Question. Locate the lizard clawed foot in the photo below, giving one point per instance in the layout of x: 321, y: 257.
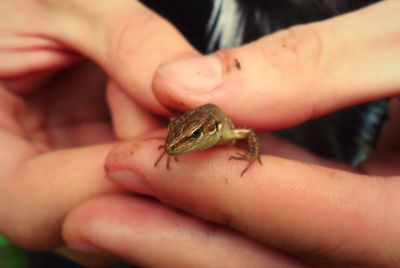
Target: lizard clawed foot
x: 162, y: 155
x: 240, y: 156
x: 247, y: 157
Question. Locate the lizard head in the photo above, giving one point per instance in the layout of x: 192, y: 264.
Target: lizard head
x: 194, y: 130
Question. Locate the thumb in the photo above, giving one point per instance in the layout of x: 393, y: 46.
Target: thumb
x: 295, y: 74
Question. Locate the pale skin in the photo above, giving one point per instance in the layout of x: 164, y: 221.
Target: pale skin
x: 204, y: 127
x: 299, y: 203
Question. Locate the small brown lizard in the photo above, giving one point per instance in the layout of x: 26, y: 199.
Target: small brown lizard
x: 202, y: 128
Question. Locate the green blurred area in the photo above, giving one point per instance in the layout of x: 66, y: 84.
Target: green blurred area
x: 10, y: 255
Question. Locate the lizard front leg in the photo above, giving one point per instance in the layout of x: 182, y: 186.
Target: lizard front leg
x: 254, y: 146
x: 164, y: 152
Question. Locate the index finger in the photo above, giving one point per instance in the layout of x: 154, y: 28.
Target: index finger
x: 299, y: 207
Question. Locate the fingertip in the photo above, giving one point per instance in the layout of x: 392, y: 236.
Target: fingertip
x: 129, y: 119
x: 89, y: 220
x: 129, y: 163
x: 189, y: 82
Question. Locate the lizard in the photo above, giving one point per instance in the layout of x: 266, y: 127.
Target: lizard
x: 204, y: 127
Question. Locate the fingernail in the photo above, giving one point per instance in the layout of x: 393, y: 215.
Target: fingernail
x: 196, y: 75
x: 129, y: 179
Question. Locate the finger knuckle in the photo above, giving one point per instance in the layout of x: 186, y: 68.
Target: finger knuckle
x: 131, y: 33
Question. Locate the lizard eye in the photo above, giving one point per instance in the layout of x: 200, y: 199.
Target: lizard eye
x: 196, y: 134
x: 217, y: 125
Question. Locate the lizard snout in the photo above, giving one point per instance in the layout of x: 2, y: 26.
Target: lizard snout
x: 170, y: 149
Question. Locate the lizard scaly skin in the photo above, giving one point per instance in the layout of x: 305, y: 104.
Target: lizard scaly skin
x: 204, y: 127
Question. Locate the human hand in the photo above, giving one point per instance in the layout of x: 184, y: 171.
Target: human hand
x: 54, y: 120
x: 319, y: 210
